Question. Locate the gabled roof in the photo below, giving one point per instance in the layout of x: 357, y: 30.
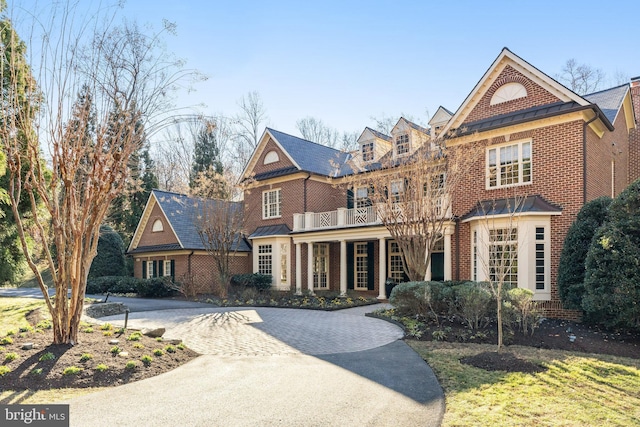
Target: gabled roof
x: 506, y: 57
x: 411, y: 125
x: 512, y: 206
x: 609, y: 100
x: 375, y: 133
x: 181, y: 211
x: 306, y: 156
x: 441, y: 115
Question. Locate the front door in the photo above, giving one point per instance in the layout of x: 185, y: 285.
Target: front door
x: 437, y: 266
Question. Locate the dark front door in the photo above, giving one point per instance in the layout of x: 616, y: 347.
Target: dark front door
x: 437, y: 266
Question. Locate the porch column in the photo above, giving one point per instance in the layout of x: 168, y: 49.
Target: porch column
x: 310, y: 267
x: 343, y: 268
x: 382, y: 268
x: 447, y: 255
x: 298, y: 269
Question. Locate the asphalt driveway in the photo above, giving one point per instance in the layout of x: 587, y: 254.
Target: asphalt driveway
x: 271, y: 367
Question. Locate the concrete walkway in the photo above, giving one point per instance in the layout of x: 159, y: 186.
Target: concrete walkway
x: 271, y: 367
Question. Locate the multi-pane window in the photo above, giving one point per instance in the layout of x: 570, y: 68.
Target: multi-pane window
x: 474, y: 255
x: 271, y: 204
x: 509, y: 165
x: 265, y: 265
x: 503, y: 255
x: 540, y: 258
x: 361, y: 271
x: 283, y: 262
x: 166, y: 271
x: 397, y: 188
x: 367, y: 152
x: 320, y: 265
x: 396, y: 263
x: 362, y: 197
x: 402, y: 144
x: 150, y: 269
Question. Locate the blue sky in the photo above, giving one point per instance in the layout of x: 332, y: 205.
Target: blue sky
x: 345, y: 61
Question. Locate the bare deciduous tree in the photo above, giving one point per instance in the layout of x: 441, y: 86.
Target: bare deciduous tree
x: 412, y: 197
x: 248, y: 128
x: 581, y: 78
x: 124, y: 81
x: 220, y: 225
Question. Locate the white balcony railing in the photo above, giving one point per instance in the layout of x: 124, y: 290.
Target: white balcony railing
x: 340, y: 218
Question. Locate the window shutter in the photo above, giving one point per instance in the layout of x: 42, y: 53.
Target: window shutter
x: 160, y: 268
x: 173, y: 270
x: 370, y: 267
x: 350, y: 262
x: 350, y: 199
x: 144, y: 269
x: 155, y: 268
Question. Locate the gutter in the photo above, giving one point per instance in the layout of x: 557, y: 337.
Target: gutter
x: 304, y: 192
x: 189, y: 264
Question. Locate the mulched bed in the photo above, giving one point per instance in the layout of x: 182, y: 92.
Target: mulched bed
x: 28, y: 372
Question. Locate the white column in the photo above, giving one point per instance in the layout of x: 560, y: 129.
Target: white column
x: 343, y: 268
x: 447, y: 255
x: 382, y: 268
x: 310, y: 267
x: 298, y: 269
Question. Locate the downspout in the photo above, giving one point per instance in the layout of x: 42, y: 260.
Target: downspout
x: 457, y: 219
x: 304, y: 192
x: 584, y: 156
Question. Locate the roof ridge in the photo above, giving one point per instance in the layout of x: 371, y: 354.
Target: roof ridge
x: 305, y: 140
x: 605, y: 90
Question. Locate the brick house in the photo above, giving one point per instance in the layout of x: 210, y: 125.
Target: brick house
x: 166, y: 243
x: 566, y: 149
x: 544, y: 142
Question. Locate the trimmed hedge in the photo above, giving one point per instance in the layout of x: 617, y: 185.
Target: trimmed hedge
x: 110, y: 260
x: 155, y: 287
x: 257, y: 281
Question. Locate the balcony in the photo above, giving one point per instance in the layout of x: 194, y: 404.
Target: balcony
x: 341, y: 218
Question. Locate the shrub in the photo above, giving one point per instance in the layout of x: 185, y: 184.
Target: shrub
x: 9, y: 357
x: 138, y: 345
x: 170, y: 349
x: 146, y: 360
x: 86, y: 357
x: 37, y: 371
x: 110, y: 260
x: 612, y: 280
x: 258, y: 281
x: 101, y: 367
x: 106, y: 327
x: 158, y: 352
x: 153, y: 287
x: 571, y: 269
x: 6, y: 341
x: 115, y: 350
x: 411, y: 298
x: 473, y: 303
x: 4, y: 370
x: 88, y: 330
x: 131, y: 364
x: 156, y: 287
x: 525, y: 312
x: 47, y: 356
x: 71, y: 370
x: 134, y: 336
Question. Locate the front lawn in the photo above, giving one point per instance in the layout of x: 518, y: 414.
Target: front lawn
x: 571, y: 389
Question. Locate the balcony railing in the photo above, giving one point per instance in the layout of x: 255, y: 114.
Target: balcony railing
x: 344, y: 218
x: 340, y: 218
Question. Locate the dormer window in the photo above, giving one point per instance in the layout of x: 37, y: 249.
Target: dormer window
x: 367, y: 151
x: 402, y: 144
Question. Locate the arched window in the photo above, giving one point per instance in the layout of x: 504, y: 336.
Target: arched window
x: 271, y: 157
x: 508, y: 92
x: 157, y: 226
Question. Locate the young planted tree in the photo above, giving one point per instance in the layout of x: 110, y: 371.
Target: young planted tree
x: 496, y: 249
x: 123, y: 81
x: 411, y: 196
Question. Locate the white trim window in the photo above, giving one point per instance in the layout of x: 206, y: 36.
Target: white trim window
x: 397, y: 190
x: 402, y: 144
x: 284, y: 263
x: 265, y: 264
x: 396, y: 262
x: 361, y: 272
x: 509, y: 165
x: 271, y: 204
x: 150, y: 269
x: 166, y: 271
x: 368, y: 154
x: 321, y: 266
x: 503, y: 255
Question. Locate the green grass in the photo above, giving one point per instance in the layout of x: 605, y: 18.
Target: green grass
x: 13, y: 311
x: 28, y: 279
x: 575, y: 389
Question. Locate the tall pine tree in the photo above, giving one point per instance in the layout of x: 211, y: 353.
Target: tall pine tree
x: 206, y: 178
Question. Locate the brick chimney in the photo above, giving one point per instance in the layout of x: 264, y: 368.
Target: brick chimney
x: 635, y: 97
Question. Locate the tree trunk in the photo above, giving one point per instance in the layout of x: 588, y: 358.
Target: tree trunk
x: 499, y: 315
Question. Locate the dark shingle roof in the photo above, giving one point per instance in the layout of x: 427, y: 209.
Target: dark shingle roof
x: 181, y: 212
x: 275, y: 173
x: 530, y: 204
x: 609, y: 100
x: 271, y: 230
x: 416, y: 126
x: 517, y: 117
x: 312, y: 157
